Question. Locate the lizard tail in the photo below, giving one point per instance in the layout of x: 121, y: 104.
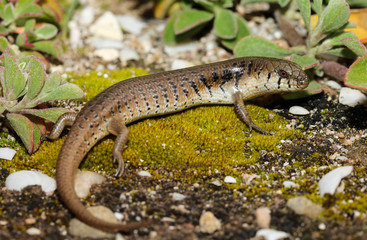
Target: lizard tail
x: 71, y: 154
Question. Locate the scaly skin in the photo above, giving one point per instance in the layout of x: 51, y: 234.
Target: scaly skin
x: 228, y: 82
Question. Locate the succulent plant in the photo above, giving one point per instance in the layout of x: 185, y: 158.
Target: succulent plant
x: 35, y: 24
x: 327, y: 40
x: 24, y: 90
x: 197, y: 14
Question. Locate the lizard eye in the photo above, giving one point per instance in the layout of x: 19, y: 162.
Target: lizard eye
x: 282, y: 74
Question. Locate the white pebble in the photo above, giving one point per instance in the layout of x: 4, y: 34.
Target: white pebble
x: 107, y: 54
x: 179, y: 63
x: 21, y: 179
x: 144, y: 174
x: 352, y: 97
x: 229, y: 179
x: 107, y: 26
x: 330, y: 181
x: 333, y: 85
x: 322, y: 226
x: 33, y: 231
x: 7, y: 153
x: 263, y: 217
x: 289, y: 184
x: 84, y: 181
x: 99, y: 42
x: 86, y: 16
x: 271, y: 234
x: 178, y: 196
x: 297, y: 110
x: 131, y: 24
x: 304, y: 206
x: 79, y: 229
x: 127, y: 54
x: 75, y: 35
x: 188, y: 47
x: 209, y: 223
x: 216, y: 183
x: 118, y: 216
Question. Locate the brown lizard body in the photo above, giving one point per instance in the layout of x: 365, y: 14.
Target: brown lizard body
x: 227, y: 82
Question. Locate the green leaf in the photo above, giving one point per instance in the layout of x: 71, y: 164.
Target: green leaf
x: 357, y: 3
x: 52, y: 82
x: 46, y: 32
x: 355, y: 45
x: 283, y: 3
x: 24, y: 129
x: 191, y: 19
x: 335, y: 15
x: 243, y: 30
x: 49, y: 47
x: 10, y: 71
x: 3, y: 44
x: 341, y: 52
x: 257, y: 46
x: 244, y: 2
x: 305, y: 62
x: 8, y: 16
x: 356, y: 75
x: 305, y: 9
x: 36, y: 79
x: 317, y: 7
x: 29, y: 25
x: 65, y: 91
x: 50, y: 114
x: 335, y: 39
x: 26, y: 8
x: 225, y: 24
x: 169, y: 36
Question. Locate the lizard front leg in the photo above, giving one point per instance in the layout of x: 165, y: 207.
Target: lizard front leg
x: 117, y: 128
x: 242, y: 113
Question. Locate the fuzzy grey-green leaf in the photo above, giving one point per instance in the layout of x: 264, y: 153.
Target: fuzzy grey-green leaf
x: 50, y: 114
x: 190, y: 19
x: 257, y: 46
x: 335, y: 15
x: 225, y: 24
x: 355, y: 45
x: 243, y: 30
x: 305, y: 9
x: 65, y: 91
x: 46, y: 32
x: 51, y: 83
x: 24, y: 129
x: 36, y: 78
x: 10, y: 70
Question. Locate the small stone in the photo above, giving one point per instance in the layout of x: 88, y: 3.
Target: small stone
x: 79, y: 229
x: 229, y: 179
x: 247, y: 178
x: 86, y: 16
x: 216, y: 183
x: 289, y: 184
x: 348, y: 142
x: 127, y: 54
x: 30, y: 221
x: 297, y: 110
x: 174, y: 50
x: 352, y: 97
x: 144, y: 174
x: 107, y: 26
x: 263, y: 217
x: 178, y: 196
x: 107, y: 54
x: 21, y: 179
x: 322, y: 226
x: 271, y: 234
x: 330, y: 181
x: 99, y: 42
x: 131, y: 24
x: 33, y: 231
x: 333, y: 85
x: 179, y: 63
x: 84, y: 181
x: 341, y: 135
x: 209, y: 223
x: 304, y: 206
x: 7, y: 153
